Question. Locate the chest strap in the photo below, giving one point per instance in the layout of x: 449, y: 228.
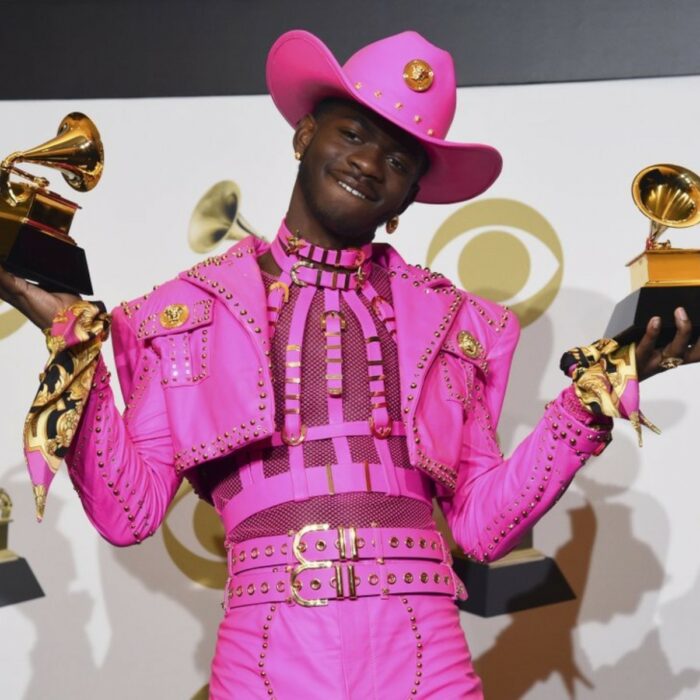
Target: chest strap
x: 356, y: 477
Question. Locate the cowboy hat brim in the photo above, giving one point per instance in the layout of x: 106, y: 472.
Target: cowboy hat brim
x: 301, y: 71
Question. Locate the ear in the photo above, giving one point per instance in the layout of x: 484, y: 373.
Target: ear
x: 304, y: 133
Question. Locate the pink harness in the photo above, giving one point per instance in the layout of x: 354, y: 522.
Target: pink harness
x: 343, y: 561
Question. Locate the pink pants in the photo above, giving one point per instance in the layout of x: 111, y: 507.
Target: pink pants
x: 365, y: 649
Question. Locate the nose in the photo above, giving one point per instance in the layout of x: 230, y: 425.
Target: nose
x: 368, y: 159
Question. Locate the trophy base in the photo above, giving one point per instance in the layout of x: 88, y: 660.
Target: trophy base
x: 17, y: 582
x: 55, y: 265
x: 631, y: 315
x: 524, y: 579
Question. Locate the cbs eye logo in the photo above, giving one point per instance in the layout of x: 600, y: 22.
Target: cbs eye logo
x: 10, y: 320
x: 503, y: 250
x: 194, y: 540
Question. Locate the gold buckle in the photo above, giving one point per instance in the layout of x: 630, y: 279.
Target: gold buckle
x: 305, y: 564
x: 360, y: 256
x: 294, y: 243
x: 283, y: 287
x: 381, y: 432
x: 293, y: 272
x: 334, y: 314
x: 293, y: 440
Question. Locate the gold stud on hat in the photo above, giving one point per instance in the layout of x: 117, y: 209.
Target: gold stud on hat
x: 418, y: 75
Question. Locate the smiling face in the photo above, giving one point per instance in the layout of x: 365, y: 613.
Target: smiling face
x: 357, y: 171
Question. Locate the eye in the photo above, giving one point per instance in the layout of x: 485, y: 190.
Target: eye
x: 193, y: 537
x: 503, y: 250
x: 350, y: 135
x: 397, y: 164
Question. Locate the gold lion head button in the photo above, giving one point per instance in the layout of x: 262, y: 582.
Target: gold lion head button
x: 418, y: 75
x: 174, y: 315
x: 469, y: 345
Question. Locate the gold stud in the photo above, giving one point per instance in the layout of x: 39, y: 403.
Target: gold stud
x: 431, y: 132
x: 418, y: 75
x: 174, y: 316
x: 399, y: 105
x: 358, y: 86
x: 377, y: 93
x: 417, y: 119
x: 469, y: 345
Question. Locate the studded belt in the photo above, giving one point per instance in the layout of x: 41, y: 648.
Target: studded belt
x: 317, y: 564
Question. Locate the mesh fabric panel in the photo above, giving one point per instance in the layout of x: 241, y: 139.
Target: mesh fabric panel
x: 347, y: 509
x: 314, y: 400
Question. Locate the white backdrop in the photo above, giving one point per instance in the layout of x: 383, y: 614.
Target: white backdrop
x: 118, y: 623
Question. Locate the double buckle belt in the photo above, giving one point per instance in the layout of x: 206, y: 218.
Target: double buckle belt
x: 369, y: 562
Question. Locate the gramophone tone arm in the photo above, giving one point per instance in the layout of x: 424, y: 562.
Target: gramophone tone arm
x: 6, y: 168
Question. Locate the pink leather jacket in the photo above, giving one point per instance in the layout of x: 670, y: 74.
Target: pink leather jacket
x: 200, y: 389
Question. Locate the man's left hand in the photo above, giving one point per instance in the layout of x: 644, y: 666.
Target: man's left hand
x: 652, y: 360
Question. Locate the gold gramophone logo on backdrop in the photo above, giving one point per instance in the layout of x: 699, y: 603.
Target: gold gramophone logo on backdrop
x: 511, y: 254
x: 217, y: 217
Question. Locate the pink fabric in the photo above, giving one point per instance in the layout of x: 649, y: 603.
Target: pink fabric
x: 169, y: 430
x: 368, y: 648
x: 127, y: 469
x: 393, y: 577
x: 321, y: 544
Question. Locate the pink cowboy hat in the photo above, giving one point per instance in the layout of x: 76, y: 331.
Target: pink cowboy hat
x: 405, y: 79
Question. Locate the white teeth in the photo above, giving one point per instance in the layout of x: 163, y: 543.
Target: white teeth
x: 351, y: 190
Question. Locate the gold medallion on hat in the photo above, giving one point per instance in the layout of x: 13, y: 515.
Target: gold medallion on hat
x: 174, y: 315
x: 469, y: 345
x: 418, y: 75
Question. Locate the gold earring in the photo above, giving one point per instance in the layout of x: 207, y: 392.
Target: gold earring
x: 297, y: 155
x: 392, y: 224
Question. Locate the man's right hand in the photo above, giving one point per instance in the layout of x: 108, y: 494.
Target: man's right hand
x: 38, y: 305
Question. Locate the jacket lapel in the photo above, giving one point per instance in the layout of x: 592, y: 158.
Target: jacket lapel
x: 234, y: 279
x: 425, y: 305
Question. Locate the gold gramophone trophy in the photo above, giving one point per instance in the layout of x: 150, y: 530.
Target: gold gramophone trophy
x: 17, y: 582
x: 663, y: 277
x: 34, y: 222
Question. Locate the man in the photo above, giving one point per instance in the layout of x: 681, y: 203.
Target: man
x: 320, y: 392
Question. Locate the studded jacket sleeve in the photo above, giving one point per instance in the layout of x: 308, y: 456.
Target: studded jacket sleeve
x: 496, y: 498
x: 122, y: 465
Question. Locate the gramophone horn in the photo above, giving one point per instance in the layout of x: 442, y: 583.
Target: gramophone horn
x: 76, y: 151
x: 669, y: 195
x: 216, y: 216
